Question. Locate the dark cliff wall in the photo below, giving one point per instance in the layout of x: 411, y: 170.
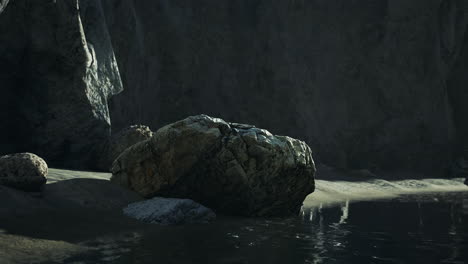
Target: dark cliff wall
x: 366, y: 83
x: 57, y: 70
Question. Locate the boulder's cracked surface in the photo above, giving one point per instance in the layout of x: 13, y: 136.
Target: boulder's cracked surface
x: 23, y: 171
x: 232, y: 168
x: 57, y: 71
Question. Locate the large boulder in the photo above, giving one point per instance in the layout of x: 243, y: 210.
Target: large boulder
x: 24, y: 171
x: 233, y: 168
x: 169, y: 211
x: 120, y: 142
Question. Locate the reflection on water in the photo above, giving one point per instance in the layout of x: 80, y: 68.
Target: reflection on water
x: 430, y: 228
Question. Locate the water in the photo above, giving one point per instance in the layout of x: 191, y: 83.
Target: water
x: 416, y: 228
x: 376, y: 221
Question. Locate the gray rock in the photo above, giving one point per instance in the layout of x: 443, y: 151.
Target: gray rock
x: 57, y: 71
x: 24, y: 171
x: 169, y: 211
x: 234, y: 169
x: 367, y: 84
x: 120, y: 142
x: 3, y: 4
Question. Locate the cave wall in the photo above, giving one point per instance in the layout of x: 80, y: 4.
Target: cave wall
x: 366, y: 83
x: 374, y: 84
x: 57, y: 71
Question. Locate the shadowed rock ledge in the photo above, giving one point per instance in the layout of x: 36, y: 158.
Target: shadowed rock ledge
x: 57, y: 71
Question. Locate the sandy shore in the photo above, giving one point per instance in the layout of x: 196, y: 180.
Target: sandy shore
x: 78, y: 212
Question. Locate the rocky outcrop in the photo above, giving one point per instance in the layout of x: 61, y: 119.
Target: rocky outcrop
x: 3, y: 4
x: 167, y: 211
x: 384, y: 79
x: 57, y: 71
x: 23, y: 171
x: 367, y: 84
x: 233, y: 168
x: 120, y: 142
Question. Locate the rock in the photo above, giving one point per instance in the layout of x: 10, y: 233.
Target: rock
x: 57, y: 71
x: 233, y: 168
x: 3, y: 4
x: 120, y: 142
x: 169, y: 211
x: 24, y: 171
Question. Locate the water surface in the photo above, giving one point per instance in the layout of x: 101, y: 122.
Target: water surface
x: 416, y: 228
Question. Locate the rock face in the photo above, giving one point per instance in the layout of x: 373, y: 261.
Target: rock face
x: 120, y: 142
x: 169, y: 211
x: 24, y: 171
x: 233, y: 168
x: 57, y: 71
x: 367, y: 84
x: 3, y: 4
x: 385, y: 80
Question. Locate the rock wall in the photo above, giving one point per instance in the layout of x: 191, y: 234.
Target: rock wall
x: 368, y: 84
x: 373, y: 84
x: 57, y: 71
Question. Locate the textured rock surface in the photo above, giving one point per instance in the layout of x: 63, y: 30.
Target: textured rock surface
x: 120, y: 142
x: 3, y: 4
x: 24, y: 171
x: 232, y: 168
x: 57, y: 70
x: 169, y: 211
x: 364, y: 83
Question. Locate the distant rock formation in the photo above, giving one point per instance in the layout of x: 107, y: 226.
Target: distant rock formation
x: 232, y: 168
x: 119, y: 142
x: 23, y: 171
x: 57, y: 71
x: 169, y: 211
x: 367, y: 84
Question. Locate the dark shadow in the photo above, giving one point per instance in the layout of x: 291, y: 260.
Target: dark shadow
x: 70, y: 210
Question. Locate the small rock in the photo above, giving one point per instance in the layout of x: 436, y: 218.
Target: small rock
x: 119, y: 142
x: 23, y: 171
x: 169, y: 211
